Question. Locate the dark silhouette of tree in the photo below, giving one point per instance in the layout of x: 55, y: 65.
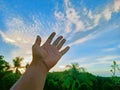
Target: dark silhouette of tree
x: 115, y: 67
x: 17, y: 64
x: 8, y: 80
x: 4, y: 66
x: 108, y: 86
x: 74, y: 78
x: 75, y: 66
x: 4, y: 70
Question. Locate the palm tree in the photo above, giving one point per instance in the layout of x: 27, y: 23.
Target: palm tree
x: 17, y: 64
x: 76, y: 66
x: 115, y: 67
x: 4, y: 66
x: 72, y: 77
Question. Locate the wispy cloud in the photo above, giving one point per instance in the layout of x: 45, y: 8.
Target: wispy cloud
x: 71, y: 18
x: 84, y: 39
x: 20, y: 34
x: 117, y: 5
x: 69, y: 22
x: 93, y: 61
x: 108, y: 49
x: 111, y: 49
x: 72, y: 21
x: 109, y: 58
x: 6, y: 39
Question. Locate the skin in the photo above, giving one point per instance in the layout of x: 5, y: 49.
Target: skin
x: 44, y: 58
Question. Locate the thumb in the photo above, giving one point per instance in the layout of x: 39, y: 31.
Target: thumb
x: 38, y: 40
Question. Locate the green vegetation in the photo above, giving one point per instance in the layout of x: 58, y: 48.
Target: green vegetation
x: 75, y: 78
x: 114, y: 67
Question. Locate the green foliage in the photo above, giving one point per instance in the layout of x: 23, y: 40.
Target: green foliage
x: 4, y: 66
x: 83, y: 81
x: 8, y: 80
x: 53, y: 81
x: 75, y: 78
x: 72, y: 78
x: 17, y: 64
x: 114, y: 67
x: 107, y: 86
x: 7, y: 77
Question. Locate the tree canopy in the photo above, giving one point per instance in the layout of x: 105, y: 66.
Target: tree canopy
x: 74, y: 78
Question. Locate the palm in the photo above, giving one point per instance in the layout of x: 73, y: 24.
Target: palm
x: 17, y: 64
x: 49, y: 53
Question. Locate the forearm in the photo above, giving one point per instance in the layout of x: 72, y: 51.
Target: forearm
x: 33, y: 78
x: 44, y: 58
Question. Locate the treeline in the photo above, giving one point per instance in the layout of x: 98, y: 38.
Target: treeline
x: 10, y: 74
x: 75, y: 78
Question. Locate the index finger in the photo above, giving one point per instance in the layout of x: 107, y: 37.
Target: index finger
x: 50, y: 38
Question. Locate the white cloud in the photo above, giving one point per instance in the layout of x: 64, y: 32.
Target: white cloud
x: 59, y: 15
x: 111, y: 49
x: 84, y: 39
x: 109, y: 10
x: 108, y: 49
x: 22, y: 34
x: 116, y: 5
x: 61, y: 66
x: 8, y: 40
x: 90, y: 14
x: 71, y: 18
x: 72, y: 21
x: 99, y: 60
x: 105, y: 14
x: 92, y: 63
x: 108, y: 58
x: 22, y: 41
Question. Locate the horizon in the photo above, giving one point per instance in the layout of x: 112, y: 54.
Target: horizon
x: 91, y: 28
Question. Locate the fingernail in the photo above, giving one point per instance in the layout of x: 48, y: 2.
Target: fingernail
x: 54, y: 33
x: 61, y: 36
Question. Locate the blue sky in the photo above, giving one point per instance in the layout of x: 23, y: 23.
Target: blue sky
x: 91, y: 27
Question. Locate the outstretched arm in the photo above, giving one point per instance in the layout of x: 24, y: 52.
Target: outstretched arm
x: 44, y: 58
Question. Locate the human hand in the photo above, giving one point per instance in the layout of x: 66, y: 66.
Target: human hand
x: 49, y: 54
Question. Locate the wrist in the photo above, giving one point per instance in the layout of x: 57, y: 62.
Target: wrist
x: 40, y: 64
